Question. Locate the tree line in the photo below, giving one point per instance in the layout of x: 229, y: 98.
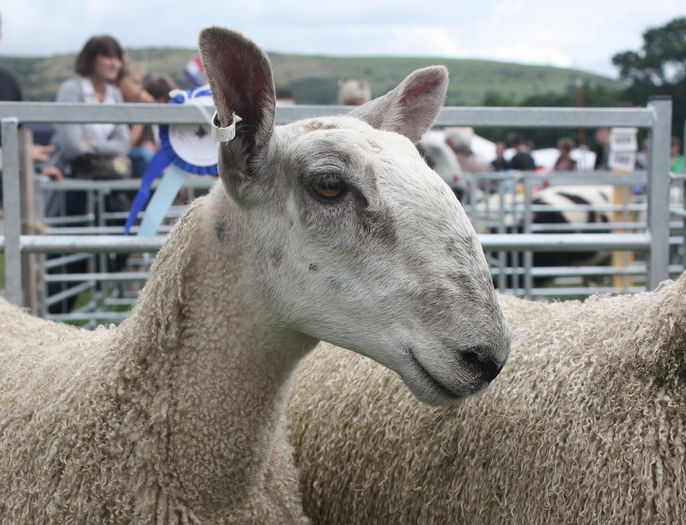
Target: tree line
x: 657, y: 68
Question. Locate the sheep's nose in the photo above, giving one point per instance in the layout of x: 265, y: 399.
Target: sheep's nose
x: 482, y: 366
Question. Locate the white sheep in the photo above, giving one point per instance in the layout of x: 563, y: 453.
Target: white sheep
x: 585, y: 424
x: 323, y: 229
x: 442, y: 159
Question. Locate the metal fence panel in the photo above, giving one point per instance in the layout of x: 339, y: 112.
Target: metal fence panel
x: 12, y: 211
x: 654, y: 240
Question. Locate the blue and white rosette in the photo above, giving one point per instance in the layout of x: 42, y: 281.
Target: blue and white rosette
x: 184, y: 149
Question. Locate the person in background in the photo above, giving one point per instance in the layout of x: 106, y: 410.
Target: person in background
x: 92, y: 151
x: 155, y: 89
x: 522, y: 159
x: 602, y: 148
x: 675, y: 157
x: 130, y: 82
x: 141, y: 137
x: 354, y: 92
x: 642, y: 155
x: 97, y: 68
x: 499, y: 163
x: 564, y: 161
x: 10, y: 91
x: 159, y: 87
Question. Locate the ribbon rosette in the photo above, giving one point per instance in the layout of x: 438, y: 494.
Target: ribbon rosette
x: 184, y: 149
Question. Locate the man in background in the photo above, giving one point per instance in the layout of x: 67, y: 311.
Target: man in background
x: 522, y: 159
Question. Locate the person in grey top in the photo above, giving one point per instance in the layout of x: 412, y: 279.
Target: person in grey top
x: 97, y: 67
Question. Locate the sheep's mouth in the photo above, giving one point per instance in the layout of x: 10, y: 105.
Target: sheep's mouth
x: 436, y: 386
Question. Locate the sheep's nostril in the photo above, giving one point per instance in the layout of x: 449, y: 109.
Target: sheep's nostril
x: 484, y: 367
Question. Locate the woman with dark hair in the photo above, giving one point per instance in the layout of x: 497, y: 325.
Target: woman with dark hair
x: 97, y: 67
x: 91, y: 151
x: 564, y: 161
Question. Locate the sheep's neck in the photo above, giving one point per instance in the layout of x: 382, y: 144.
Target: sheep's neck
x: 229, y: 380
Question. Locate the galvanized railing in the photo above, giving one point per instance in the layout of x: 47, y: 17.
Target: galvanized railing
x: 507, y: 205
x: 656, y: 117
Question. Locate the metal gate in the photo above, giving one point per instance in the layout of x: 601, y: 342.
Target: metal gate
x: 95, y: 237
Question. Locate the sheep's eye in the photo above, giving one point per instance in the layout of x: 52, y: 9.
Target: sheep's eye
x: 330, y: 188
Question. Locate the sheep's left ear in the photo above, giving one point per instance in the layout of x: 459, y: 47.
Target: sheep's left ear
x: 240, y: 77
x: 412, y: 107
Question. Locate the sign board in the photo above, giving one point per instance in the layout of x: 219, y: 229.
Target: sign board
x: 623, y: 147
x: 622, y: 161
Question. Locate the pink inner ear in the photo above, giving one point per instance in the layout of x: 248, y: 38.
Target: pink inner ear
x: 247, y: 86
x: 423, y: 88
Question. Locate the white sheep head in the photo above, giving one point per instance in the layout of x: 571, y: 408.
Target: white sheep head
x: 355, y: 240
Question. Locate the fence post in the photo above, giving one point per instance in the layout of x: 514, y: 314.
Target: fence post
x: 658, y: 191
x: 12, y: 210
x: 527, y: 257
x: 28, y: 219
x: 622, y: 161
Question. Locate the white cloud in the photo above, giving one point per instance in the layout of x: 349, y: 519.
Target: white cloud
x: 569, y: 33
x: 528, y: 54
x: 508, y: 7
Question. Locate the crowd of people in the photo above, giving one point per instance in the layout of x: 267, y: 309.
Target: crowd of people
x: 103, y: 75
x: 521, y: 156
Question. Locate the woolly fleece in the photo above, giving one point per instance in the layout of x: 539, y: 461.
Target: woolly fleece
x: 586, y: 424
x: 111, y: 426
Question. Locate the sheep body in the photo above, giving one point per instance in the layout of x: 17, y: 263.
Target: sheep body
x: 584, y: 425
x: 325, y: 228
x: 442, y: 159
x: 88, y: 433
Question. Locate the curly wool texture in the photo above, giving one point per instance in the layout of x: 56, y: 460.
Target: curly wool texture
x: 585, y: 424
x: 112, y: 426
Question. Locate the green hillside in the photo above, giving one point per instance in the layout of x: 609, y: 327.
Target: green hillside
x: 314, y: 79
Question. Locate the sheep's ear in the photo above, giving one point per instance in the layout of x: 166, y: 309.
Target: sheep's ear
x: 412, y: 107
x: 240, y: 77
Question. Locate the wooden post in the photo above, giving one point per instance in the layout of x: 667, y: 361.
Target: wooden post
x: 26, y: 175
x: 622, y: 197
x: 622, y: 160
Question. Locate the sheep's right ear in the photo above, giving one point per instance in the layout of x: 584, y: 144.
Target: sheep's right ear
x: 240, y: 77
x: 412, y: 107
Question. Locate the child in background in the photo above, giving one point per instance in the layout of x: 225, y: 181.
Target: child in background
x: 159, y: 87
x: 142, y: 138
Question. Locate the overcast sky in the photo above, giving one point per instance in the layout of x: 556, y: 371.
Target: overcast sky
x: 582, y: 34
